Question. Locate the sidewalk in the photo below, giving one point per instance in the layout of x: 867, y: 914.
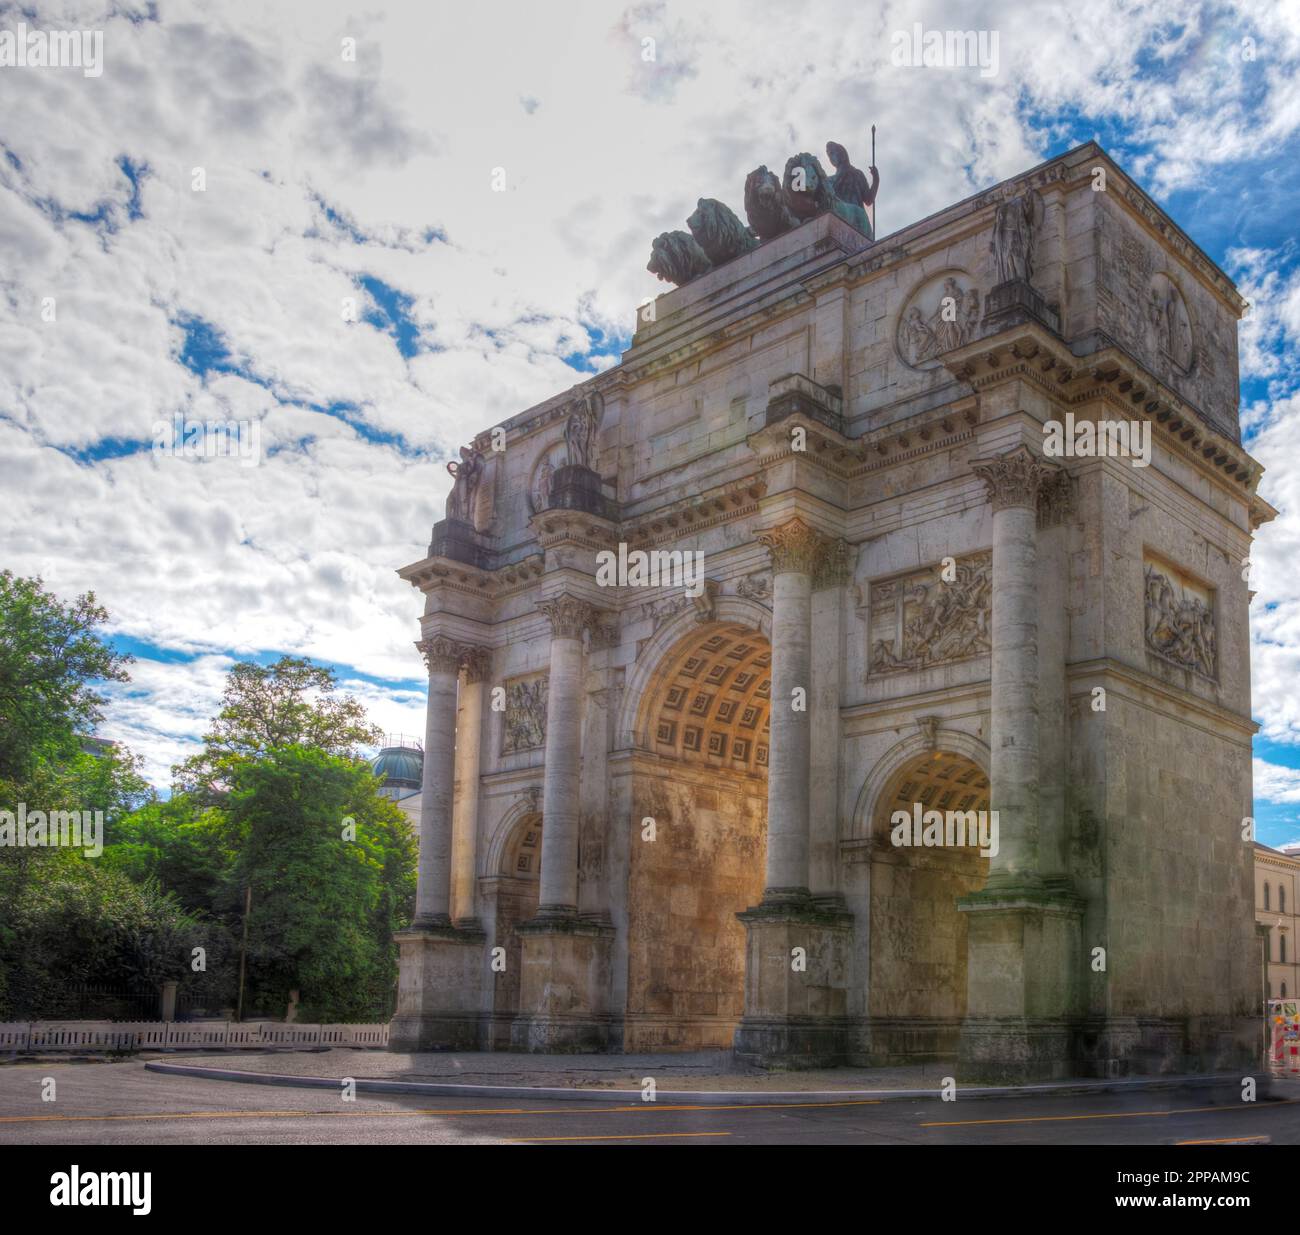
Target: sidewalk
x: 704, y: 1077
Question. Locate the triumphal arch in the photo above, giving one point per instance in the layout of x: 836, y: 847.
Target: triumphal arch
x: 952, y: 523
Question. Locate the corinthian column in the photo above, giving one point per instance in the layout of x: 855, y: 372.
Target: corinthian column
x: 478, y: 665
x: 559, y: 883
x: 433, y: 877
x: 794, y: 547
x: 1013, y: 482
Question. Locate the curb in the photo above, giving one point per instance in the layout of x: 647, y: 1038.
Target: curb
x: 715, y: 1097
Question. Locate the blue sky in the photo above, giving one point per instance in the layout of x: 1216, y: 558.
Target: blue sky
x: 329, y: 181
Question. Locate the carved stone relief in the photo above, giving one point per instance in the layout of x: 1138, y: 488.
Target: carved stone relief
x: 1169, y: 328
x: 756, y: 587
x: 525, y: 714
x: 1180, y: 624
x: 553, y: 457
x: 941, y: 314
x: 919, y: 620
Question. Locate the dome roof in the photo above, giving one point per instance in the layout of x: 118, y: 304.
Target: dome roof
x: 399, y: 766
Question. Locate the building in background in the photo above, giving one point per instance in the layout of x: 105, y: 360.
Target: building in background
x: 1277, y: 874
x: 400, y: 765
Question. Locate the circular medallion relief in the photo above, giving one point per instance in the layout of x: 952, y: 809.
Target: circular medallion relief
x: 1169, y: 325
x: 942, y: 313
x: 539, y: 488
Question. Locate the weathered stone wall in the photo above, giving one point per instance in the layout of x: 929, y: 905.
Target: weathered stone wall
x: 918, y: 939
x: 686, y: 966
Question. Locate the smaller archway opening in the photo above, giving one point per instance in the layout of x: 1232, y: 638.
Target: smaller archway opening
x: 517, y: 887
x: 918, y: 936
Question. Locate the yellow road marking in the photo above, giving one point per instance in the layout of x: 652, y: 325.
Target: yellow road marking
x: 576, y: 1109
x: 1036, y: 1119
x: 631, y: 1136
x: 1226, y: 1140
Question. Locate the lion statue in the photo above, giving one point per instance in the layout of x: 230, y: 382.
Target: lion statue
x: 804, y: 187
x: 721, y: 235
x: 676, y: 257
x: 765, y: 207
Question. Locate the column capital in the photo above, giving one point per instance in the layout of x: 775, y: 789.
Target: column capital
x: 1013, y: 479
x: 794, y: 545
x: 833, y: 567
x: 441, y: 655
x: 477, y: 662
x: 569, y: 614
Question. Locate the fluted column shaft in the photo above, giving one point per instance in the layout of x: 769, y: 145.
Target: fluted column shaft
x: 478, y: 663
x: 433, y: 876
x: 794, y: 547
x: 569, y: 617
x: 1013, y: 482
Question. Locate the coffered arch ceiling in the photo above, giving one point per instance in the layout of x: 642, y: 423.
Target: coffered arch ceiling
x: 710, y: 702
x: 939, y: 780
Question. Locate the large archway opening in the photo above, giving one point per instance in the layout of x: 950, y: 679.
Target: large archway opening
x: 699, y: 844
x: 918, y: 937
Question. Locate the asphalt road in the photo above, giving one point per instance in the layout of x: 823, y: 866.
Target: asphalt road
x: 122, y: 1104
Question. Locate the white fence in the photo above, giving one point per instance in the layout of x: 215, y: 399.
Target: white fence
x: 181, y: 1035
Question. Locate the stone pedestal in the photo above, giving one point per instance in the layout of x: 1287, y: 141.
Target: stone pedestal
x: 796, y: 1002
x: 456, y: 539
x: 574, y: 487
x: 439, y: 990
x: 1022, y: 986
x: 564, y: 988
x: 1015, y: 301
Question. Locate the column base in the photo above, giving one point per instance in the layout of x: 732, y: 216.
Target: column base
x: 564, y: 987
x: 1012, y: 1050
x: 439, y: 989
x: 1118, y: 1046
x: 1022, y: 983
x: 797, y: 976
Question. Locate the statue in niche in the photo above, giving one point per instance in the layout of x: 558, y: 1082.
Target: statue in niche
x: 947, y: 322
x: 719, y: 232
x: 765, y: 206
x: 849, y: 185
x: 1013, y: 236
x: 544, y: 478
x: 465, y: 476
x: 580, y: 429
x: 676, y: 257
x: 918, y: 342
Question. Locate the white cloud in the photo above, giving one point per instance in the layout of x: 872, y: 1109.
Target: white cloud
x: 319, y: 171
x: 1276, y: 783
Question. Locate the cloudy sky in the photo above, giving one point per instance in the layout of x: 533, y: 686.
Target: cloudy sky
x: 327, y: 176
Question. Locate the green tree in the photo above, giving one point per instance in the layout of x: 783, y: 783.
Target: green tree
x: 50, y: 657
x: 331, y: 866
x: 77, y: 921
x: 267, y: 707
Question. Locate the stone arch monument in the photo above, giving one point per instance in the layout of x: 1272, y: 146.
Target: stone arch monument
x: 792, y: 690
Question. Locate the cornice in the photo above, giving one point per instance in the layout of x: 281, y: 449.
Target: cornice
x: 1031, y: 353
